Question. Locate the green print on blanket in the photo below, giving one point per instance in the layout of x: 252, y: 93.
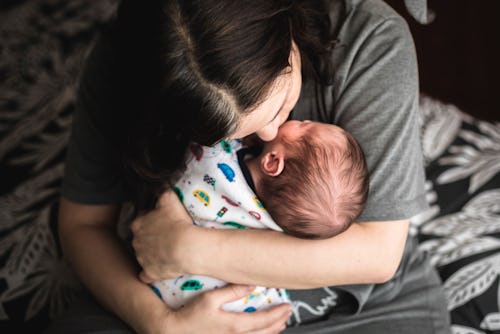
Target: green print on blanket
x: 192, y: 284
x: 227, y: 146
x: 235, y: 225
x: 179, y: 193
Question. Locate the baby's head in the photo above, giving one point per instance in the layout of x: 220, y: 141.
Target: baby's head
x: 312, y: 179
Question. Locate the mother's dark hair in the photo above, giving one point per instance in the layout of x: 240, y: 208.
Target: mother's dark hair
x: 191, y: 68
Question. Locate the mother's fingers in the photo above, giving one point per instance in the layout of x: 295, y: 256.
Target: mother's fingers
x: 170, y: 203
x: 268, y: 321
x: 152, y: 233
x: 229, y: 293
x: 274, y: 329
x: 204, y: 314
x: 136, y: 224
x: 145, y: 278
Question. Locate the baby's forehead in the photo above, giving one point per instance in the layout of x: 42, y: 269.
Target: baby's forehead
x: 329, y: 138
x: 327, y: 131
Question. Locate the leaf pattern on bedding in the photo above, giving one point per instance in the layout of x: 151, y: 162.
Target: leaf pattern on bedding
x: 459, y: 329
x: 447, y: 250
x: 479, y: 159
x: 471, y: 281
x: 491, y: 322
x: 480, y: 216
x: 440, y: 125
x: 44, y: 45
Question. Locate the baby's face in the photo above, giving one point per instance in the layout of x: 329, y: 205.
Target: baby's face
x: 294, y: 130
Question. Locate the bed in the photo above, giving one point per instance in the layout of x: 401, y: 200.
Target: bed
x: 43, y: 46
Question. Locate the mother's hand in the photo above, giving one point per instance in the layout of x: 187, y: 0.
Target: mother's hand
x: 158, y: 239
x: 205, y: 314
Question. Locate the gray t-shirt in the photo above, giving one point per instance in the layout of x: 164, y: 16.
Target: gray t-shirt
x: 373, y: 96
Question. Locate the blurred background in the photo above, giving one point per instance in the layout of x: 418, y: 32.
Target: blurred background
x: 459, y: 54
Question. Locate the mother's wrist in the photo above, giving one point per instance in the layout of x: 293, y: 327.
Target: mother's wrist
x: 161, y: 322
x: 204, y: 245
x: 193, y: 250
x: 147, y: 313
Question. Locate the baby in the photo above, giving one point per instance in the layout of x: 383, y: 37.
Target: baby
x: 311, y: 179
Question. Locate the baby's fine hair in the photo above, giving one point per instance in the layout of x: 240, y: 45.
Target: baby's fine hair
x: 322, y: 189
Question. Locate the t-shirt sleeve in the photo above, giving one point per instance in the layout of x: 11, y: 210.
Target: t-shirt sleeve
x: 376, y: 100
x: 93, y: 169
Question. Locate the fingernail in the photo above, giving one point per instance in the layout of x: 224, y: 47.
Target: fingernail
x: 250, y: 288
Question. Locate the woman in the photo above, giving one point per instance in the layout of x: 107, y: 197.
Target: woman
x: 171, y: 72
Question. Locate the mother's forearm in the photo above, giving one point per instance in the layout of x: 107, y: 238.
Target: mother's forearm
x: 365, y: 253
x: 94, y: 251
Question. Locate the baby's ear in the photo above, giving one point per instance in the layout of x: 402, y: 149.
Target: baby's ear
x: 272, y: 163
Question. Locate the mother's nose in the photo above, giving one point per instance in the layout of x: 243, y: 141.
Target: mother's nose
x: 269, y: 132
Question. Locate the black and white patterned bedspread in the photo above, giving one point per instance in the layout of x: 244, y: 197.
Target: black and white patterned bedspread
x: 43, y: 46
x: 461, y: 231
